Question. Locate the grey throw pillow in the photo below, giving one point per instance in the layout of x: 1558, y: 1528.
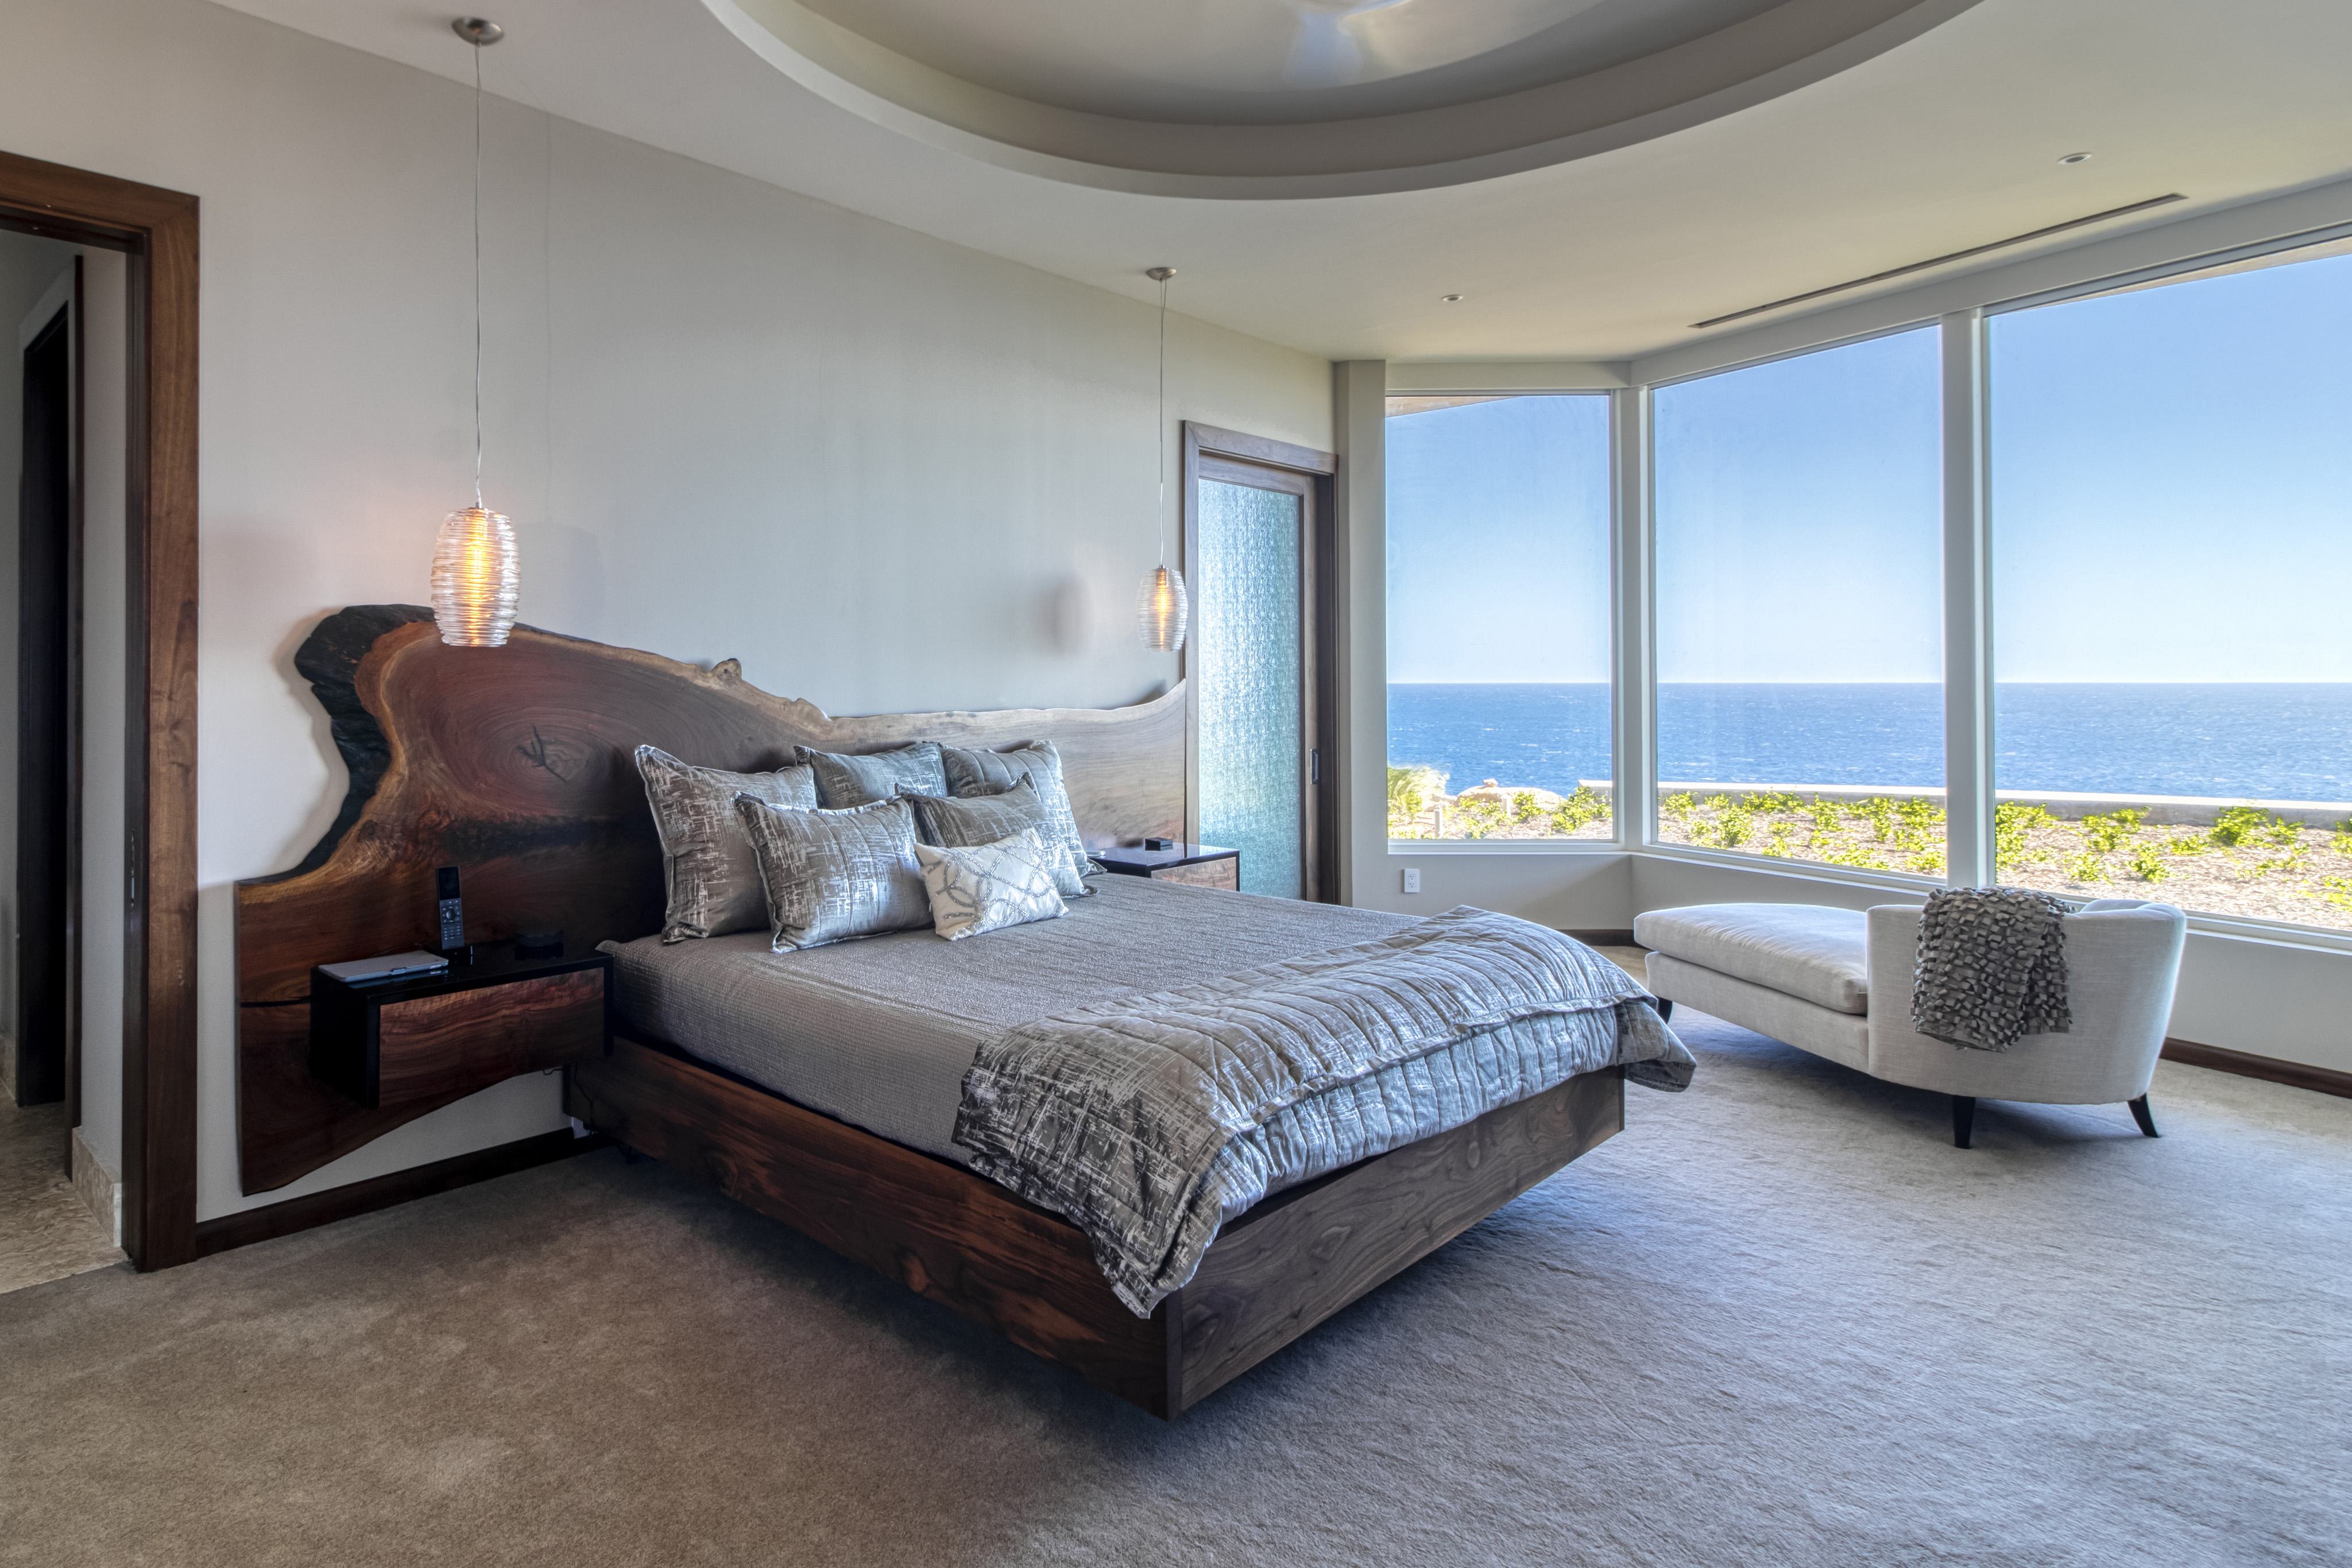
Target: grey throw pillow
x: 989, y: 819
x: 988, y: 772
x: 836, y: 875
x: 845, y: 779
x: 707, y: 866
x: 988, y: 887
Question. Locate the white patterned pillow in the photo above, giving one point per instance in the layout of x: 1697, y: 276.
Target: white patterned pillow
x: 990, y: 886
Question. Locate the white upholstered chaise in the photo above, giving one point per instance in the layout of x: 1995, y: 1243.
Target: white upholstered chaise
x: 1808, y: 975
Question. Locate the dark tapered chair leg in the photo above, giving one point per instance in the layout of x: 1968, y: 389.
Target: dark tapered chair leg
x: 1964, y: 1119
x: 2141, y: 1114
x: 1665, y: 1011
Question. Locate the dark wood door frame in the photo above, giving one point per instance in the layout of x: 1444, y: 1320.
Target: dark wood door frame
x: 1309, y: 475
x: 156, y: 230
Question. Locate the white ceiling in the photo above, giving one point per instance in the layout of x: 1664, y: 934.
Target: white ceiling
x: 1943, y: 141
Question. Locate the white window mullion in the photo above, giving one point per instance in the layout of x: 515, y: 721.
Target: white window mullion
x: 1634, y: 648
x: 1968, y: 606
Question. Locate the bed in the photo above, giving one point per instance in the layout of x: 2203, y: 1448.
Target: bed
x: 821, y: 1087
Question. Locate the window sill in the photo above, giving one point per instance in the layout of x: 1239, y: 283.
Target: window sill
x: 1509, y: 847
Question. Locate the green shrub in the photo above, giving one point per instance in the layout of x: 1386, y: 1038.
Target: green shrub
x: 1476, y: 819
x: 1584, y: 806
x: 1674, y: 808
x: 1773, y: 801
x: 2084, y: 867
x: 2235, y: 824
x: 1775, y: 841
x: 2107, y: 833
x: 1411, y: 790
x: 1523, y: 805
x: 2011, y: 822
x: 2148, y: 863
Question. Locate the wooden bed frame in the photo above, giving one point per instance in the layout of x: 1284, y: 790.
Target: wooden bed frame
x: 515, y: 764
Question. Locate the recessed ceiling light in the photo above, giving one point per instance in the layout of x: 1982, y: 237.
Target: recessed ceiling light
x: 1450, y: 299
x: 2075, y: 158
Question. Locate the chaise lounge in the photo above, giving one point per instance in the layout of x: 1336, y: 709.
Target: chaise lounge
x: 1837, y: 982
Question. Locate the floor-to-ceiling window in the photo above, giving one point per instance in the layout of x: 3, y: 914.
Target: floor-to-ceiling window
x: 2172, y: 566
x: 1798, y: 529
x: 1498, y: 625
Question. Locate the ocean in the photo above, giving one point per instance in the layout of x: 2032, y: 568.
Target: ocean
x: 2282, y: 742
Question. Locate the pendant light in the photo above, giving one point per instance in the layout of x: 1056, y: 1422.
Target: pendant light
x: 475, y: 568
x: 1161, y: 612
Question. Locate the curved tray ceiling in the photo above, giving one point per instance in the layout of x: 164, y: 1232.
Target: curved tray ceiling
x: 1286, y: 99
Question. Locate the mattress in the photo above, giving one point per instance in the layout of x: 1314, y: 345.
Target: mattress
x: 880, y: 1032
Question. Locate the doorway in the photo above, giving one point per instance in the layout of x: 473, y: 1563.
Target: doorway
x: 1260, y: 558
x: 48, y: 738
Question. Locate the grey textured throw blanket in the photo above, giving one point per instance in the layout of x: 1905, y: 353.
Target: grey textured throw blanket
x: 1993, y: 967
x: 1151, y: 1120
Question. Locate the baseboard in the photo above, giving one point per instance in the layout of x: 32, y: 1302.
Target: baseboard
x: 1605, y: 938
x: 2321, y: 1080
x: 277, y: 1220
x: 7, y: 1070
x: 99, y: 1187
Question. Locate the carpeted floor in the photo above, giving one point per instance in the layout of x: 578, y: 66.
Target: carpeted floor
x: 1778, y: 1321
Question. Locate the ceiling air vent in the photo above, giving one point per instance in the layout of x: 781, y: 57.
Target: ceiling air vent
x: 1940, y: 260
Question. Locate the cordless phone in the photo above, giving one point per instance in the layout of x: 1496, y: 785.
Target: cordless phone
x: 453, y: 910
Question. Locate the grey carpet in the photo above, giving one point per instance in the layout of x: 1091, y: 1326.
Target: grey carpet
x: 1778, y: 1321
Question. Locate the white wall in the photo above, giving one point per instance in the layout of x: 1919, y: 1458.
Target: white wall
x: 727, y: 421
x: 105, y: 696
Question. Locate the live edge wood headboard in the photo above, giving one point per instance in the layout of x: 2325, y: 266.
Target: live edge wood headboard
x: 514, y: 764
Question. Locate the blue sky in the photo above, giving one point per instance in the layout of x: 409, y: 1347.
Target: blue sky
x: 2172, y: 498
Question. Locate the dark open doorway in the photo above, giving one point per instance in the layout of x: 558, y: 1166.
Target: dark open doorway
x: 48, y: 740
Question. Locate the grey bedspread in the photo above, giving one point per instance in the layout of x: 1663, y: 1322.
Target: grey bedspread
x: 1150, y: 1119
x: 880, y: 1032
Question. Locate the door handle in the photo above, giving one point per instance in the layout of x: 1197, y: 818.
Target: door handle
x: 1314, y: 765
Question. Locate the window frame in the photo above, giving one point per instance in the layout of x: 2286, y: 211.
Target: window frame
x: 1968, y: 629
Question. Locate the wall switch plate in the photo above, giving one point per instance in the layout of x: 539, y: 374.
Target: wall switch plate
x: 1413, y: 879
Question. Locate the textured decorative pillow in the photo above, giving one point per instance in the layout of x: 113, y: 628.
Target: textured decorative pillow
x: 843, y: 781
x: 713, y: 876
x: 836, y: 874
x: 993, y: 817
x: 986, y: 772
x: 986, y: 887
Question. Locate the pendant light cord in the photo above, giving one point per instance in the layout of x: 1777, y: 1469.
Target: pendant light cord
x: 1163, y: 422
x: 478, y: 277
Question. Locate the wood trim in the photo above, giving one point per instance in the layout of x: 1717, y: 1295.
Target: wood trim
x: 1258, y: 449
x: 159, y: 231
x: 264, y: 1224
x: 1029, y: 1275
x: 2245, y: 1064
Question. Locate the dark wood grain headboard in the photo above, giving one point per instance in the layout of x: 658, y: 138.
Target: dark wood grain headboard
x: 514, y: 764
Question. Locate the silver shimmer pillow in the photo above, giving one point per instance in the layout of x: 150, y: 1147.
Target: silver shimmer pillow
x: 845, y: 779
x: 836, y: 875
x: 987, y: 772
x: 987, y: 887
x: 707, y: 866
x: 992, y: 818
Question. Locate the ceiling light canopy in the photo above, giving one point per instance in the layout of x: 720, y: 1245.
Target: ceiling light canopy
x: 1275, y: 98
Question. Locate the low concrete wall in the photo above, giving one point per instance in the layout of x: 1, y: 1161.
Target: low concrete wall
x: 2184, y: 810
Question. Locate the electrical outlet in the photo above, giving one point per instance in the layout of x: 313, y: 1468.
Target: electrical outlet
x: 1413, y: 879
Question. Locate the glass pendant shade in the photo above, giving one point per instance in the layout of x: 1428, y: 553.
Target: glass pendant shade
x: 475, y: 573
x: 1163, y: 610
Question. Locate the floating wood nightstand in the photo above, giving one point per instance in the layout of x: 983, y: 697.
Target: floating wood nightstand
x: 1202, y: 865
x: 463, y: 1029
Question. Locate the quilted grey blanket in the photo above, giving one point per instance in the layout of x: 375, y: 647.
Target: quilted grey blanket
x: 1151, y: 1120
x: 1993, y: 967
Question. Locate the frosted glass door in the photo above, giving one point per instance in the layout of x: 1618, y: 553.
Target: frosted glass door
x: 1248, y: 659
